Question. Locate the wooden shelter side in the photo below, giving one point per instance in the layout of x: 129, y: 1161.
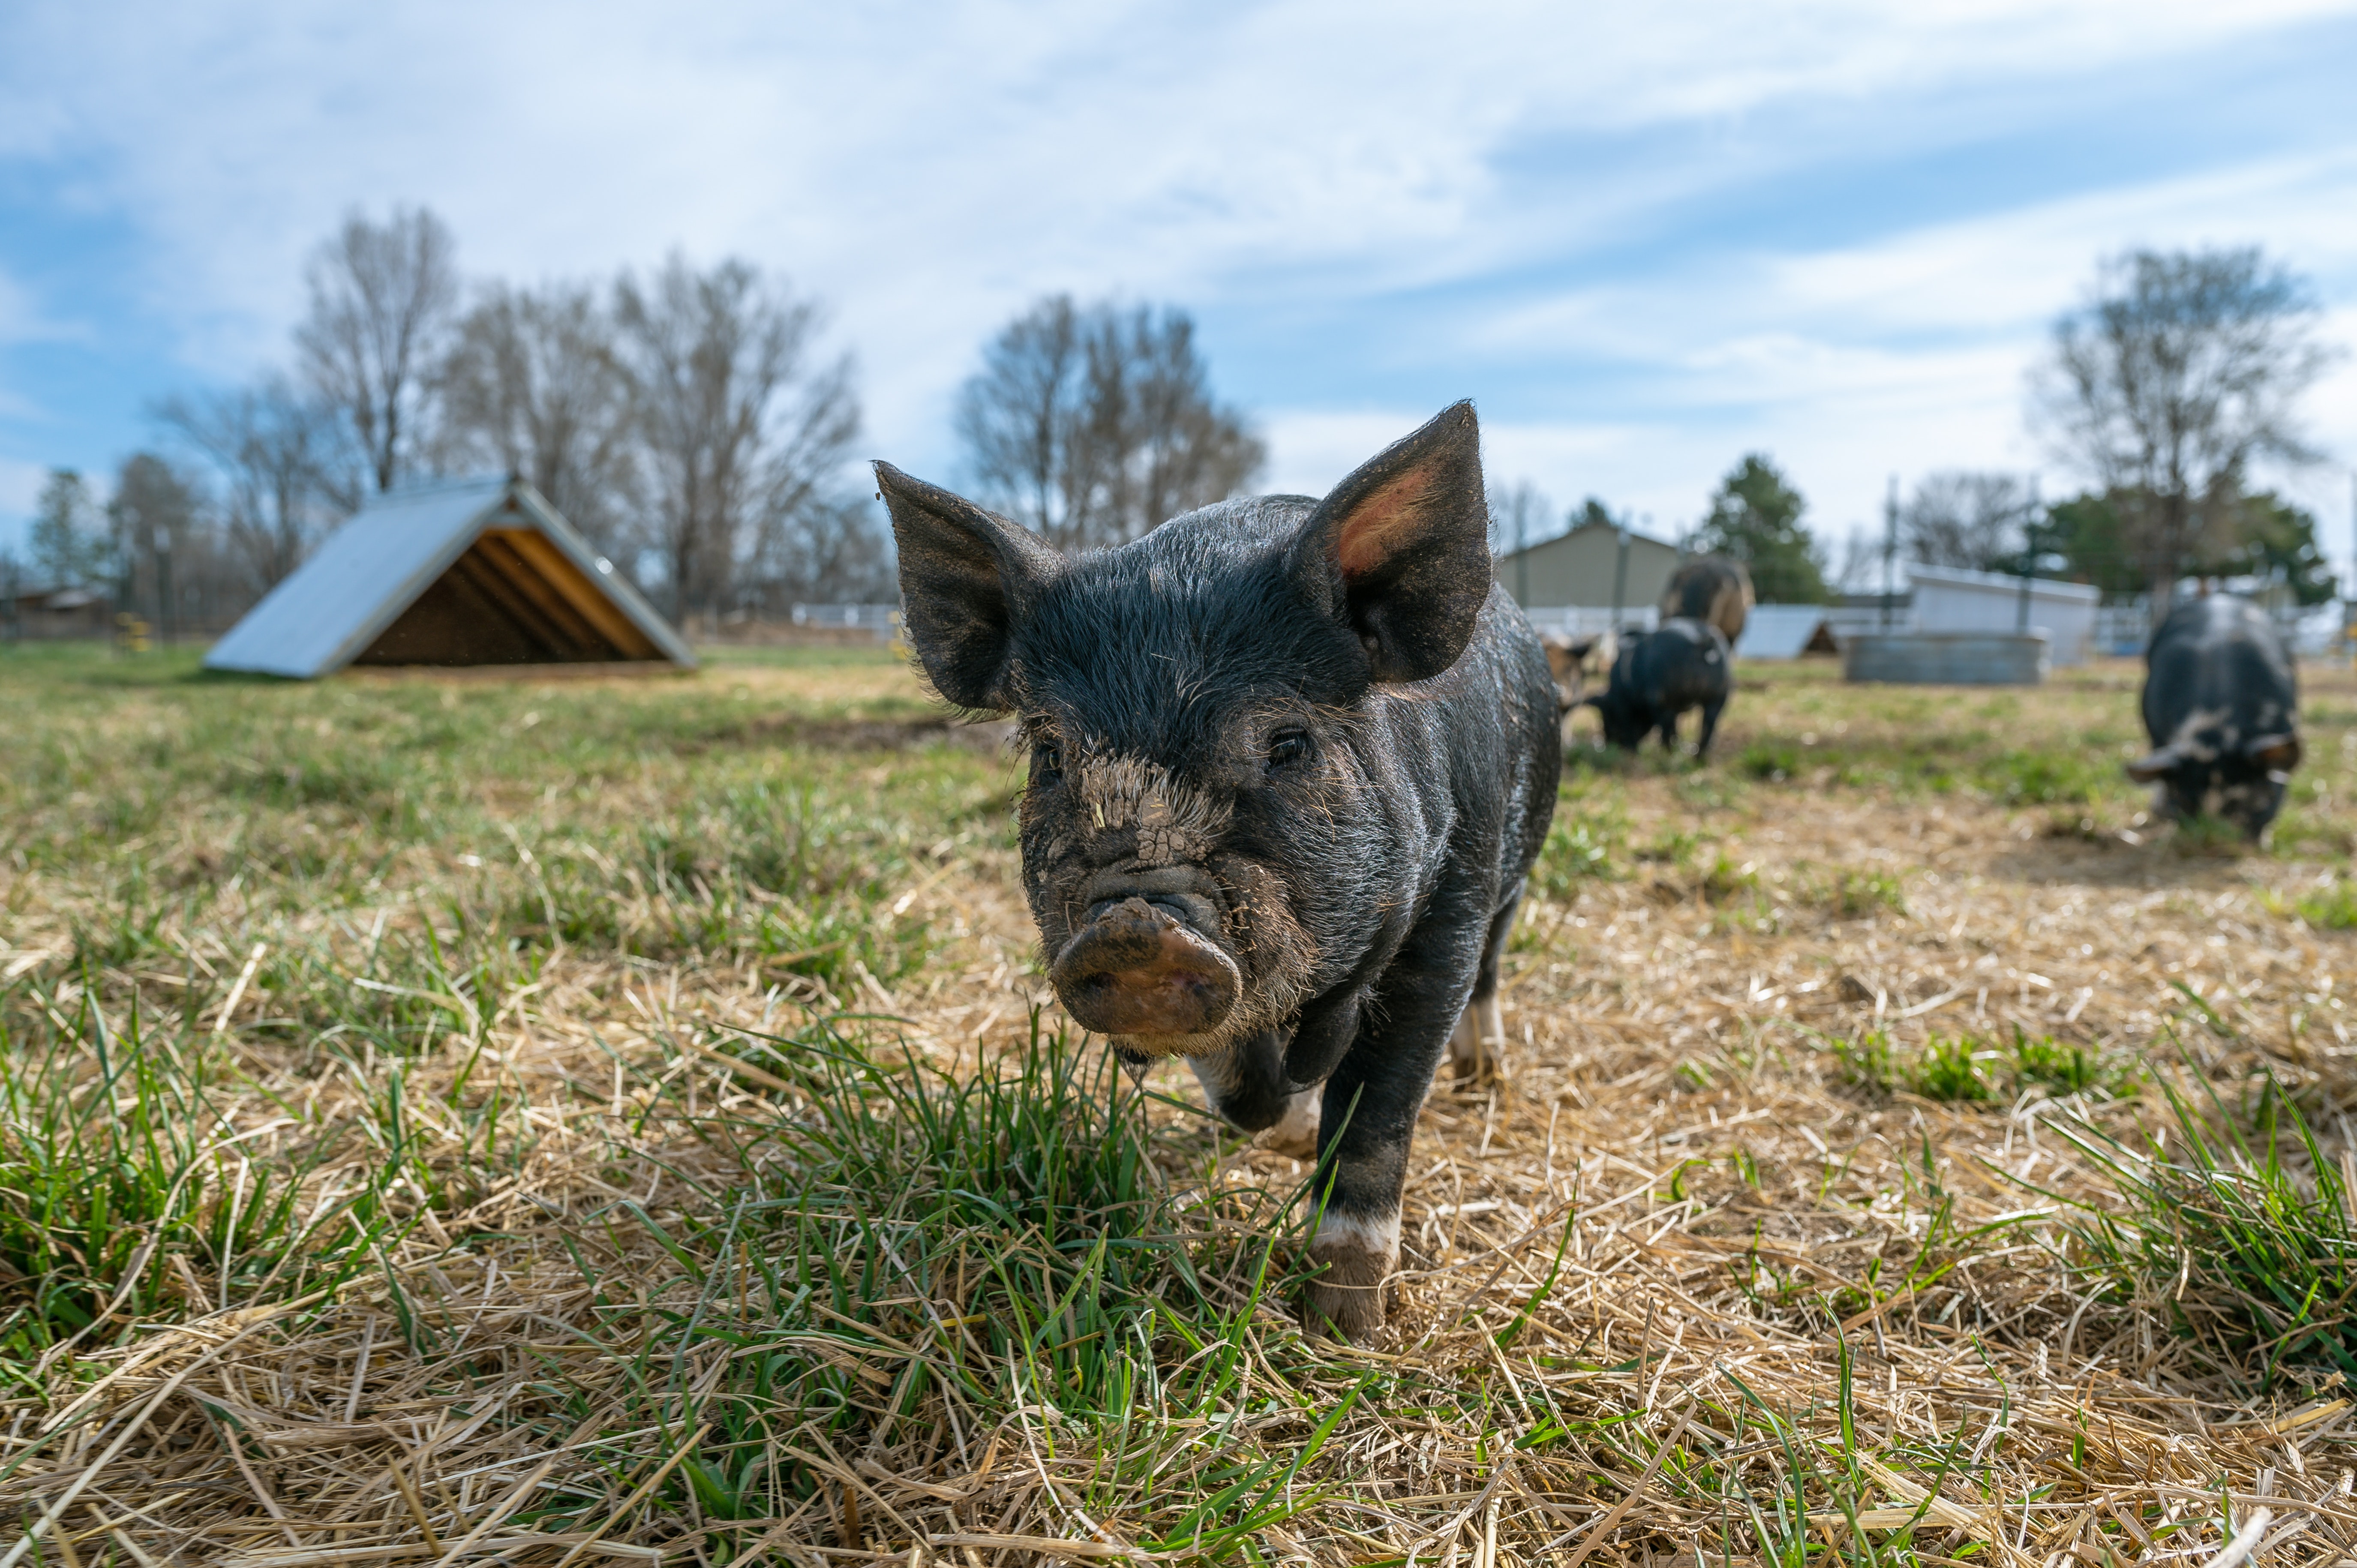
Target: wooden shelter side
x: 510, y: 597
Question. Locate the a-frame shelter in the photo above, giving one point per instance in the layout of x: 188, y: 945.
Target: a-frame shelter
x: 468, y: 572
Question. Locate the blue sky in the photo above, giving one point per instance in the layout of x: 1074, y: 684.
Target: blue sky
x: 1646, y: 243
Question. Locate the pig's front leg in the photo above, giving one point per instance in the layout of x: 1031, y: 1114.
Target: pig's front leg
x: 1246, y: 1083
x: 1710, y: 711
x: 1367, y: 1115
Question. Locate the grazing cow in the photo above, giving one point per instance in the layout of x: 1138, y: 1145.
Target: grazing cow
x: 2222, y: 707
x: 1291, y: 761
x: 1711, y: 589
x: 1658, y: 677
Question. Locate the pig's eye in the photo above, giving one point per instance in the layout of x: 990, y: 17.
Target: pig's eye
x: 1289, y: 747
x: 1047, y: 764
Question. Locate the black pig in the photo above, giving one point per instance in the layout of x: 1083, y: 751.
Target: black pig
x: 1658, y: 676
x: 1710, y: 588
x: 1290, y: 763
x: 2222, y: 708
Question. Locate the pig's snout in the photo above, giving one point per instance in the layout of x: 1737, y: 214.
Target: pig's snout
x: 1137, y: 969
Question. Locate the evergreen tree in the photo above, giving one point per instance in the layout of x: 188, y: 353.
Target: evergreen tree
x: 2276, y: 542
x: 68, y: 547
x: 1755, y: 518
x: 2087, y: 533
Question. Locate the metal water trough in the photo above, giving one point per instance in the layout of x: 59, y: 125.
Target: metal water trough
x: 1946, y: 658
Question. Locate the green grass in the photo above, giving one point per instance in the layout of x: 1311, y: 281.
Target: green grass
x: 123, y: 1196
x: 1580, y: 847
x: 2331, y: 908
x: 1969, y: 1068
x: 825, y: 1253
x: 2236, y: 1228
x: 1033, y: 1261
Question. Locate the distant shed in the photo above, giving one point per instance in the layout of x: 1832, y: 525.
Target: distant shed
x: 1578, y: 569
x: 1952, y: 599
x: 473, y: 572
x: 1785, y: 631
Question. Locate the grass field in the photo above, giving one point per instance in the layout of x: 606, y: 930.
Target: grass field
x: 560, y: 1122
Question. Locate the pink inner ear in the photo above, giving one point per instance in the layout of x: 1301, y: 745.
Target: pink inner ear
x: 1378, y: 526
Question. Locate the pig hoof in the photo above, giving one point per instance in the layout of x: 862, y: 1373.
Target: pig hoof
x: 1357, y: 1257
x: 1296, y: 1133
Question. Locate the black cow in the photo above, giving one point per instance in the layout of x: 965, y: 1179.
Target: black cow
x: 1290, y: 763
x: 2222, y: 707
x: 1658, y: 677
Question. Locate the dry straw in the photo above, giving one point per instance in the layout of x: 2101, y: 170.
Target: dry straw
x: 1711, y: 1274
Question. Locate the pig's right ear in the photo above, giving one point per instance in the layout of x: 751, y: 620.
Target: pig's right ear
x: 966, y: 578
x: 1400, y: 552
x: 2145, y: 769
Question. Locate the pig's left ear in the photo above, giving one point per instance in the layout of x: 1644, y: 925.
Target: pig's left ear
x: 2275, y: 752
x: 966, y: 578
x: 1400, y: 552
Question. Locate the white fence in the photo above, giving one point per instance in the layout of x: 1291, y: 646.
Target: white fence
x: 1587, y: 620
x: 884, y: 620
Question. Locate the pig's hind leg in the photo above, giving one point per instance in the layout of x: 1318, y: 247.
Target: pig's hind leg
x: 1475, y: 1049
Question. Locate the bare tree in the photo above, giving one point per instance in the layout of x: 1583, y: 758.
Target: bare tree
x: 1518, y: 517
x: 742, y: 425
x: 156, y: 517
x: 830, y: 552
x: 1971, y: 520
x: 284, y: 464
x: 533, y: 384
x: 2180, y: 370
x: 382, y: 298
x: 1094, y: 425
x: 1015, y: 416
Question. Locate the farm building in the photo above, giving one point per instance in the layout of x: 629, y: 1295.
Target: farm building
x: 1950, y: 598
x: 473, y: 572
x: 47, y: 614
x: 1577, y: 570
x: 1785, y: 631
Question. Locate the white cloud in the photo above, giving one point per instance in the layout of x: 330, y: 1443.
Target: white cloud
x: 930, y: 168
x: 1902, y: 355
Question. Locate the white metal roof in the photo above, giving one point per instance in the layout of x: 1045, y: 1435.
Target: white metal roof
x: 1779, y: 632
x: 1998, y: 582
x: 369, y: 571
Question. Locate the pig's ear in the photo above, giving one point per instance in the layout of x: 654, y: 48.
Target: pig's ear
x: 2275, y: 752
x: 966, y: 578
x: 1400, y: 552
x: 2145, y: 769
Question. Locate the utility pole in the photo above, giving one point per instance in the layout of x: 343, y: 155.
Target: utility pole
x: 1890, y: 547
x: 163, y: 554
x: 1522, y: 550
x: 2029, y: 557
x: 1621, y: 575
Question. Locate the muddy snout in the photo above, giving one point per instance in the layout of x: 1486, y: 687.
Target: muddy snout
x: 1137, y: 969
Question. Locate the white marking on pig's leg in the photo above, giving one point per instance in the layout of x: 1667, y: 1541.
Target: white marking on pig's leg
x: 1358, y: 1254
x: 1493, y: 1024
x: 1470, y: 1048
x: 1296, y: 1133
